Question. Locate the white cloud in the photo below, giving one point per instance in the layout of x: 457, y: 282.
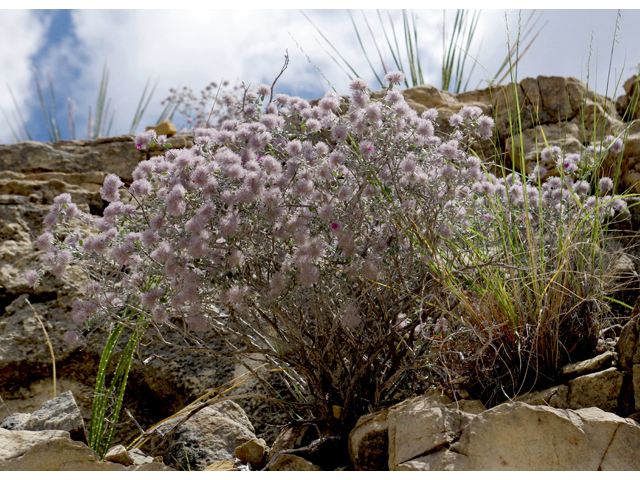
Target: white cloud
x: 22, y: 35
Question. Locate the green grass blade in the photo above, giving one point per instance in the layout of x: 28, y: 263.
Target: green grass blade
x: 100, y: 399
x: 119, y: 384
x: 613, y: 46
x: 449, y: 58
x: 89, y: 124
x: 332, y: 58
x: 409, y: 47
x: 315, y: 66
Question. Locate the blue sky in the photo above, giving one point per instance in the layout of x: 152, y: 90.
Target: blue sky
x: 195, y: 47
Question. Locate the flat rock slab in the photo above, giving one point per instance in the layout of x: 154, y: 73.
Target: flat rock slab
x: 518, y: 436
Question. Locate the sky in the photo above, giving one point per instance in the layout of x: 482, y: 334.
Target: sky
x: 193, y: 47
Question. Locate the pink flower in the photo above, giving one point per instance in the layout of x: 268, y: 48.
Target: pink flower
x: 32, y: 278
x: 143, y: 140
x: 395, y: 77
x: 110, y: 186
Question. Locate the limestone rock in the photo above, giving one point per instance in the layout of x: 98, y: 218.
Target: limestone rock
x: 117, y: 155
x: 53, y: 450
x: 636, y: 387
x: 119, y: 454
x: 61, y: 413
x: 221, y: 466
x: 376, y: 433
x: 212, y: 434
x: 563, y: 134
x: 287, y: 462
x: 164, y: 128
x: 625, y: 103
x: 517, y: 436
x: 369, y: 442
x: 14, y: 444
x: 552, y: 397
x: 415, y: 430
x: 16, y: 421
x: 252, y: 452
x: 600, y: 389
x: 588, y: 366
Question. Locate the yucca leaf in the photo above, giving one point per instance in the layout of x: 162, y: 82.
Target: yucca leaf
x: 141, y: 109
x: 54, y: 115
x: 396, y: 59
x: 364, y: 51
x: 329, y: 43
x: 373, y: 38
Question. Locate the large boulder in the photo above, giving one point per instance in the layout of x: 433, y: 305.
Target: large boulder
x: 517, y: 436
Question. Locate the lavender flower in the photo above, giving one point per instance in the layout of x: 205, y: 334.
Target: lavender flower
x: 110, y: 186
x: 394, y: 78
x: 144, y: 140
x: 606, y: 184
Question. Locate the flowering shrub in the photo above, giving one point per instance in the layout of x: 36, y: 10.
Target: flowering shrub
x: 197, y: 110
x: 330, y: 259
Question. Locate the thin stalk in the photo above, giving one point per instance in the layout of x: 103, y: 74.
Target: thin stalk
x: 398, y: 58
x: 72, y: 124
x: 54, y: 116
x: 102, y: 93
x: 45, y: 114
x: 330, y: 44
x: 53, y: 357
x: 364, y: 51
x: 140, y: 110
x: 13, y: 133
x: 384, y: 67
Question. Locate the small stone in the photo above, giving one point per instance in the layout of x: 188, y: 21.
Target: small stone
x: 588, y: 366
x: 61, y: 413
x: 119, y: 454
x: 252, y: 452
x: 600, y: 389
x: 636, y: 386
x: 551, y: 397
x: 221, y: 466
x: 292, y: 463
x: 165, y: 128
x: 139, y: 457
x: 17, y: 421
